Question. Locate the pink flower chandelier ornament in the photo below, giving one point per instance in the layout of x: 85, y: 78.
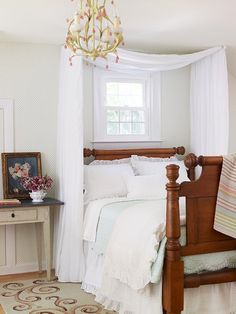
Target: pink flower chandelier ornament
x: 92, y: 33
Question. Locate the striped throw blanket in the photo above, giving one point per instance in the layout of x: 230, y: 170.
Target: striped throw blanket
x: 225, y: 215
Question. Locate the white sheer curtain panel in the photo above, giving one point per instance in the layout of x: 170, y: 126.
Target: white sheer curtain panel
x: 209, y: 110
x: 69, y: 259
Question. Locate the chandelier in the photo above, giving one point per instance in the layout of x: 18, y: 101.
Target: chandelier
x: 92, y: 33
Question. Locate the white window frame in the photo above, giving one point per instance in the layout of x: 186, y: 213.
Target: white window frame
x: 152, y: 101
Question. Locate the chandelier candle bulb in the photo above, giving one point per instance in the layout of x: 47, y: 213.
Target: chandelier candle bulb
x: 117, y: 29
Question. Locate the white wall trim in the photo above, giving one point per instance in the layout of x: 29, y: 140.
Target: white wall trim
x: 151, y: 105
x: 21, y: 268
x: 8, y: 111
x: 7, y: 105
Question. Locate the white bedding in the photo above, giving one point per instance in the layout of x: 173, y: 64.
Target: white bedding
x: 132, y: 248
x: 92, y: 214
x: 119, y: 296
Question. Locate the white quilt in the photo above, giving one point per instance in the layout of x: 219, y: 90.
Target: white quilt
x: 132, y: 248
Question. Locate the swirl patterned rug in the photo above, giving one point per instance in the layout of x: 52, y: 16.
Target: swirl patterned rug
x: 42, y: 297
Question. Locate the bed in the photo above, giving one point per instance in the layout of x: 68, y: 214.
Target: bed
x: 200, y: 198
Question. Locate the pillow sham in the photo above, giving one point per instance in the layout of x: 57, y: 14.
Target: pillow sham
x: 105, y: 181
x: 152, y: 181
x: 145, y: 187
x: 111, y: 162
x: 151, y: 168
x: 139, y: 163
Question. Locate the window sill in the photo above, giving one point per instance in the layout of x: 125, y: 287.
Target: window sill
x: 126, y: 144
x: 124, y: 141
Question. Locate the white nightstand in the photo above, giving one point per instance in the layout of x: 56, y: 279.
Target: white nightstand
x: 37, y: 213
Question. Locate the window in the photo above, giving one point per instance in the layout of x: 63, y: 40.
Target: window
x: 123, y: 107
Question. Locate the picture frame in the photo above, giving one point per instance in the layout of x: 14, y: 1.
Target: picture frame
x: 16, y: 166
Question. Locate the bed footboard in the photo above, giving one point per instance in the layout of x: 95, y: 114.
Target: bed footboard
x: 201, y: 196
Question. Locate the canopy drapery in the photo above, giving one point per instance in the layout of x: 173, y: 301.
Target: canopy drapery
x: 69, y: 260
x: 209, y: 133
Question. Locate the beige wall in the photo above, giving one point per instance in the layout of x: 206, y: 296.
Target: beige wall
x: 29, y: 76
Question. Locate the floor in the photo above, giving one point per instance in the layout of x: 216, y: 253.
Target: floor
x: 36, y: 275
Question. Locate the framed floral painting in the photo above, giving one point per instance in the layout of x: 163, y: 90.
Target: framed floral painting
x: 16, y: 166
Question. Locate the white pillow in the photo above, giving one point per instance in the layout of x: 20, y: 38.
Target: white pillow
x: 151, y: 168
x: 139, y: 162
x: 111, y: 162
x: 152, y: 183
x: 145, y: 187
x: 103, y: 181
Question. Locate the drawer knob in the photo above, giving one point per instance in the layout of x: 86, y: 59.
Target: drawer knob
x: 13, y: 215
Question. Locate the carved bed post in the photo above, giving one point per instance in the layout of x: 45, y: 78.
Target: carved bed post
x: 173, y: 283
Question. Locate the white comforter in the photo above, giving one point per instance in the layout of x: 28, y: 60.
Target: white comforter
x: 133, y: 245
x: 132, y: 248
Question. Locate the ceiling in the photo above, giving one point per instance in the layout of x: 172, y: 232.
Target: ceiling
x: 160, y: 26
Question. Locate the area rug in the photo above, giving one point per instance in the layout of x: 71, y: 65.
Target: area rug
x: 43, y: 297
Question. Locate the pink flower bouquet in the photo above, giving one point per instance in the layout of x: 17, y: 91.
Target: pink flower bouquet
x: 37, y: 183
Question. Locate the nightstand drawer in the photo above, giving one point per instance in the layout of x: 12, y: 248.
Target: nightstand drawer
x: 18, y: 215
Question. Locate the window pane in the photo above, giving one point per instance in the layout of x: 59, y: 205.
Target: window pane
x: 125, y: 128
x: 124, y: 94
x: 125, y: 116
x: 112, y: 128
x: 130, y: 89
x: 113, y: 100
x: 112, y: 115
x: 138, y: 116
x: 138, y: 128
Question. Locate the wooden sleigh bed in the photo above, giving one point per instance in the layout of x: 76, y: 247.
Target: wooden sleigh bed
x: 200, y: 209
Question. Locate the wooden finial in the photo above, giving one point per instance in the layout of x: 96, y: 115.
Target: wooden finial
x: 89, y: 152
x: 180, y: 150
x: 172, y: 172
x: 191, y: 161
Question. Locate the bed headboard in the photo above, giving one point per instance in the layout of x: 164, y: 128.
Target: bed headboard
x: 125, y: 153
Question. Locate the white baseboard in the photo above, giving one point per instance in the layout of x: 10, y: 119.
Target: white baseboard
x: 20, y: 269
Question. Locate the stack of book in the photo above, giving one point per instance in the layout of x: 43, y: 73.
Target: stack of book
x: 12, y: 201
